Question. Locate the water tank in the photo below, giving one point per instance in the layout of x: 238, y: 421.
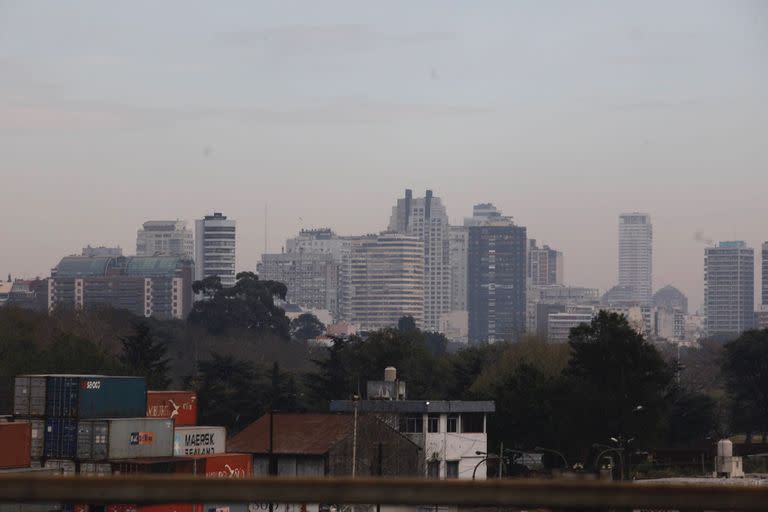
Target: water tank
x: 724, y: 448
x: 390, y: 374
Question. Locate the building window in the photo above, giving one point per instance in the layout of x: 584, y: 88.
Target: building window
x: 433, y: 423
x: 472, y: 423
x: 453, y: 423
x: 433, y: 469
x: 412, y: 424
x: 452, y: 469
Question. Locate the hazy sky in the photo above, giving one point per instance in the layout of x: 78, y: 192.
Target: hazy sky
x: 563, y: 114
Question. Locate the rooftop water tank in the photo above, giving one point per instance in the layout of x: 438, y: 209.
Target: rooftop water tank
x: 390, y: 374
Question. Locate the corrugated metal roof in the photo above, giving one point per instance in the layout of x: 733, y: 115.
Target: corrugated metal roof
x: 79, y: 266
x: 415, y: 406
x: 306, y: 434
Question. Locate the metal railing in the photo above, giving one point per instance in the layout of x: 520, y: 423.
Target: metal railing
x: 561, y: 494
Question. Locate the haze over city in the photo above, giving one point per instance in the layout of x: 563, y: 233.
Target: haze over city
x: 561, y: 114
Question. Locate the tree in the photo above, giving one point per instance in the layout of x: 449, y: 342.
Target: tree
x: 229, y: 392
x: 331, y: 379
x: 406, y: 323
x: 143, y: 354
x: 306, y: 327
x: 248, y: 305
x: 620, y: 385
x: 745, y: 367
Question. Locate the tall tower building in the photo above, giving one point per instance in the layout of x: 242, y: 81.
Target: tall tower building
x: 457, y: 246
x: 545, y: 265
x: 729, y: 288
x: 215, y: 246
x: 165, y: 238
x: 764, y: 277
x: 387, y: 280
x: 426, y: 218
x: 636, y: 255
x: 496, y: 284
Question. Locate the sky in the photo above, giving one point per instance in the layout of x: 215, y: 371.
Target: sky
x: 563, y: 114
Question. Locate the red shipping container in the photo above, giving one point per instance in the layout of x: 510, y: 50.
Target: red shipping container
x: 16, y: 442
x: 226, y: 465
x: 121, y: 508
x: 169, y: 507
x: 180, y: 406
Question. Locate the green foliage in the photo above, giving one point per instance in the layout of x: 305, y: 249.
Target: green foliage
x: 406, y: 324
x: 249, y: 305
x: 611, y: 372
x: 306, y: 327
x: 745, y: 367
x: 691, y: 419
x: 144, y: 355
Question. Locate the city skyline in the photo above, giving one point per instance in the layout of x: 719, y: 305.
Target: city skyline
x: 561, y: 116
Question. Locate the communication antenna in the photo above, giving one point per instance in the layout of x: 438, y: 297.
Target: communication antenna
x: 266, y: 216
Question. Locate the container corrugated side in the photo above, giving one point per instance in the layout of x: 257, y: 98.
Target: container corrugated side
x: 38, y: 438
x: 179, y: 406
x: 95, y: 469
x: 60, y: 438
x: 16, y: 444
x: 131, y: 438
x: 67, y: 467
x: 61, y: 396
x: 189, y: 441
x: 112, y: 397
x: 226, y: 465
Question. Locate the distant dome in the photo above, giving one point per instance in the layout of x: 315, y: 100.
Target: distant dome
x: 670, y: 297
x: 619, y: 295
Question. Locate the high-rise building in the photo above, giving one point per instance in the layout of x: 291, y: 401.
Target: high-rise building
x: 636, y: 255
x: 158, y: 286
x: 670, y: 297
x: 496, y: 284
x: 457, y: 246
x: 165, y: 238
x: 426, y: 218
x: 215, y: 248
x: 729, y: 288
x: 387, y: 280
x: 545, y: 265
x: 764, y: 277
x: 311, y: 278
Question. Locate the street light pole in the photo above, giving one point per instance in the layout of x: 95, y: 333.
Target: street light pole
x: 549, y: 450
x: 354, y: 439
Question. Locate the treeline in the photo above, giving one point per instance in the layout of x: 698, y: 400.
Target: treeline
x: 608, y: 385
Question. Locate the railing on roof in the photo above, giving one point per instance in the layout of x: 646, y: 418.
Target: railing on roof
x: 560, y: 494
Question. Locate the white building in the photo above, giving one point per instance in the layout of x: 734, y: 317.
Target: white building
x: 457, y: 247
x: 559, y: 325
x: 426, y: 218
x: 729, y: 288
x: 636, y: 255
x: 215, y: 248
x: 452, y: 433
x: 165, y: 238
x: 311, y: 278
x: 386, y: 280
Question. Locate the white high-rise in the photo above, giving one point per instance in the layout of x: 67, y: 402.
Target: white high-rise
x: 636, y: 255
x: 426, y: 218
x: 165, y: 238
x: 215, y: 246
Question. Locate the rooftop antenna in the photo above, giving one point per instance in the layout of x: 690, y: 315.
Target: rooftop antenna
x: 266, y: 214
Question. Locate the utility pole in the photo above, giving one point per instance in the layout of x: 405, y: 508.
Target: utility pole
x: 501, y: 457
x: 381, y: 469
x: 272, y: 466
x: 354, y: 439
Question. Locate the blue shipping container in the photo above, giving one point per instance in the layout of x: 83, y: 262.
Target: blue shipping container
x: 95, y: 396
x: 60, y: 438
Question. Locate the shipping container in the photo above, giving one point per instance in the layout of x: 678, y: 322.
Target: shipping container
x: 189, y: 441
x: 161, y: 465
x: 92, y: 436
x: 129, y: 438
x: 67, y: 467
x: 38, y: 438
x: 30, y: 507
x: 95, y: 396
x: 168, y: 507
x: 225, y: 465
x: 32, y: 471
x: 16, y: 443
x: 95, y: 469
x: 60, y: 438
x: 29, y: 396
x: 121, y: 508
x: 179, y: 406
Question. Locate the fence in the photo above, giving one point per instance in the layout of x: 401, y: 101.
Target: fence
x: 558, y: 494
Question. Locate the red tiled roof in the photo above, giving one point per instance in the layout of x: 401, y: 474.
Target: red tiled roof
x: 309, y: 434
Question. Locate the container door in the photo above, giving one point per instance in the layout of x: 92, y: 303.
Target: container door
x: 38, y: 434
x: 100, y: 440
x: 37, y: 396
x: 85, y: 440
x: 21, y: 393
